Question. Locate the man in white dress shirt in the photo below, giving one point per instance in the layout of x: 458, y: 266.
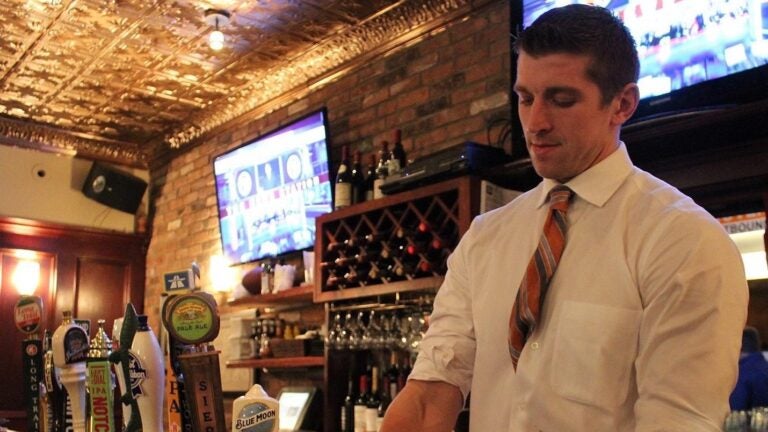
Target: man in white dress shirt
x: 641, y: 325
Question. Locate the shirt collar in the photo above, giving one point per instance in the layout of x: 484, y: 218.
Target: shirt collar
x: 598, y: 183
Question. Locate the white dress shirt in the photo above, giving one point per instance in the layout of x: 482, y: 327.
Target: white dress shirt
x: 641, y: 326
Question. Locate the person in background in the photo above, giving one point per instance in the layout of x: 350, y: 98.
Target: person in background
x: 751, y: 389
x: 628, y: 318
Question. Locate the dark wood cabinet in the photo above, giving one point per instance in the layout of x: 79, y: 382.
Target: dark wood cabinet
x: 92, y: 273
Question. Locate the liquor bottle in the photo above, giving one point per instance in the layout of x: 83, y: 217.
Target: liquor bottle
x: 372, y: 405
x: 148, y: 376
x: 357, y: 179
x: 398, y: 158
x: 361, y: 404
x: 382, y: 170
x: 343, y: 189
x: 348, y: 409
x: 370, y: 177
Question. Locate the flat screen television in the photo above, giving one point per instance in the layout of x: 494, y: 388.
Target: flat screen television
x: 694, y: 54
x: 271, y: 189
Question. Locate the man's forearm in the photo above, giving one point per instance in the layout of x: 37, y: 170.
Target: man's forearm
x: 424, y: 406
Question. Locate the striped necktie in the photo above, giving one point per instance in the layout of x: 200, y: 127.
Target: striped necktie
x: 533, y: 288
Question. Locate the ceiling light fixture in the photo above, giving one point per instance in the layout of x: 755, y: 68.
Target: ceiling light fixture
x: 216, y: 18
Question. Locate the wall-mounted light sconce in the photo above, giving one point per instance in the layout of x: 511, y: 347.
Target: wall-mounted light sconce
x: 220, y: 275
x: 216, y: 18
x: 26, y: 277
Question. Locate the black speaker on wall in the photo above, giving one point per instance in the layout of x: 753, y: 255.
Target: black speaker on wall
x: 114, y: 188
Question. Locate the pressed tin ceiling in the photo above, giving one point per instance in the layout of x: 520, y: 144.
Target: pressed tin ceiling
x: 118, y: 79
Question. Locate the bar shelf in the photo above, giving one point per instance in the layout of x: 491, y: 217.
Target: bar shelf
x: 281, y: 363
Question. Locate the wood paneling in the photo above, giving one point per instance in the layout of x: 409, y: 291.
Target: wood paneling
x: 92, y: 273
x: 10, y: 337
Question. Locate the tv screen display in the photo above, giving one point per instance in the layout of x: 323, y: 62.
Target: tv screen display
x: 682, y: 43
x: 271, y: 189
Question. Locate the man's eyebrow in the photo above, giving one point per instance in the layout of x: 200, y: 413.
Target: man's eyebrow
x: 566, y: 91
x: 550, y: 91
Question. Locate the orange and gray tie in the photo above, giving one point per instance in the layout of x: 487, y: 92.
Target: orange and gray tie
x: 533, y: 288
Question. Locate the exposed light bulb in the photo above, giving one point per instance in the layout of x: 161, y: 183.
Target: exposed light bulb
x: 216, y: 40
x: 26, y: 277
x: 221, y: 275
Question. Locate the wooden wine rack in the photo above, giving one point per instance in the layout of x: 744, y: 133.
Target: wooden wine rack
x: 446, y: 207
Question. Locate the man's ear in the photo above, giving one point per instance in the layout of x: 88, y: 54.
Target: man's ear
x: 625, y: 104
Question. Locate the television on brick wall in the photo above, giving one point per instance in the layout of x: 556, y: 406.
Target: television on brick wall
x: 695, y: 55
x: 270, y: 190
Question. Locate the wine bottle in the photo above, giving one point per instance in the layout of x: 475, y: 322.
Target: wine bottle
x: 385, y: 264
x: 435, y: 252
x: 370, y: 177
x: 348, y: 409
x: 357, y: 179
x: 352, y: 246
x: 410, y: 255
x: 372, y: 405
x: 398, y: 153
x: 398, y: 243
x: 374, y: 276
x: 398, y: 273
x: 392, y: 376
x: 424, y: 269
x: 361, y: 404
x: 382, y: 170
x: 343, y: 189
x: 335, y: 281
x: 405, y: 370
x: 384, y: 402
x: 351, y: 279
x: 422, y: 235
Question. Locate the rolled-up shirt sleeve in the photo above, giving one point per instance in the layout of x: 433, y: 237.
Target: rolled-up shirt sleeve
x: 447, y: 352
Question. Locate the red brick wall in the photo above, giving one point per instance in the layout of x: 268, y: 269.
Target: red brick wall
x: 444, y: 89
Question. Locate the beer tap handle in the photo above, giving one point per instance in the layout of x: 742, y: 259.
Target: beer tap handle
x: 121, y: 356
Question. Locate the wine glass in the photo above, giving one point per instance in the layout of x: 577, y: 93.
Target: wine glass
x: 355, y: 328
x: 335, y: 338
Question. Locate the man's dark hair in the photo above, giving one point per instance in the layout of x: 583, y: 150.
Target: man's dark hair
x: 586, y: 30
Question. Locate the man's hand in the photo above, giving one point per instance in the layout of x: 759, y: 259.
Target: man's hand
x: 424, y: 406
